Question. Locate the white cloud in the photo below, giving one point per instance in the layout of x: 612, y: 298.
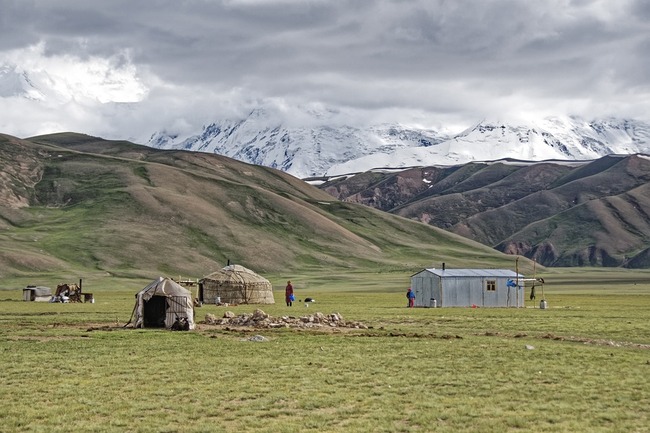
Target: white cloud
x: 67, y: 76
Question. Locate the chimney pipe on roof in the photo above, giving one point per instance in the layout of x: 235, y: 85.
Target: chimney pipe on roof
x: 443, y: 266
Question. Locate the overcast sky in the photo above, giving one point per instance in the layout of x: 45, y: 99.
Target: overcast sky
x: 124, y: 68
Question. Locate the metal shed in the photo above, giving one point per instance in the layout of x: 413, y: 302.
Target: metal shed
x: 37, y: 293
x: 468, y: 287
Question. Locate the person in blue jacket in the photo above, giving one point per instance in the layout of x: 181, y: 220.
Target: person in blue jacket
x: 410, y: 295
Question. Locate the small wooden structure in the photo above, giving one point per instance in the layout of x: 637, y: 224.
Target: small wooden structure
x: 468, y: 287
x: 72, y: 292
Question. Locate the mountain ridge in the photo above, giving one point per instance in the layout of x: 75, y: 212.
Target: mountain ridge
x: 323, y: 149
x: 125, y: 209
x: 589, y: 213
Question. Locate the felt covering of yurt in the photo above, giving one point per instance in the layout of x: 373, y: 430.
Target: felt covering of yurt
x: 235, y: 284
x: 161, y: 303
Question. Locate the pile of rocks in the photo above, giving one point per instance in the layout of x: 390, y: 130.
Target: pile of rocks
x: 259, y: 319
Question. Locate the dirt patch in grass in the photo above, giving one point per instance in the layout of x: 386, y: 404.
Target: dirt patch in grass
x: 583, y: 340
x: 100, y: 327
x: 319, y: 323
x: 43, y: 339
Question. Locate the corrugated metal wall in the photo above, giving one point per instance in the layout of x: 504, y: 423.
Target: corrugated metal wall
x: 464, y: 291
x: 461, y: 292
x: 426, y: 287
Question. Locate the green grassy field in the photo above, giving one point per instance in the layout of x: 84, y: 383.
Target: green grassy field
x: 579, y: 366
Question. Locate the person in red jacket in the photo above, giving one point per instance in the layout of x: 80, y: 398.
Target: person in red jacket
x: 288, y: 294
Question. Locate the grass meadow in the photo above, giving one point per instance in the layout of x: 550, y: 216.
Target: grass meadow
x: 581, y: 365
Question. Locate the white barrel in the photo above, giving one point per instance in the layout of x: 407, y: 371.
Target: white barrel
x: 543, y: 304
x: 433, y: 303
x: 217, y: 300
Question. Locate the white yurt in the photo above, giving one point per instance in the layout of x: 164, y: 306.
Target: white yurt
x: 162, y: 303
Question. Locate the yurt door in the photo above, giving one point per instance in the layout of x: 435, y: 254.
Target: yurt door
x: 155, y: 311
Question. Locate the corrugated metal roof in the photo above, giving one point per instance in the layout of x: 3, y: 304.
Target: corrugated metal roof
x: 474, y: 273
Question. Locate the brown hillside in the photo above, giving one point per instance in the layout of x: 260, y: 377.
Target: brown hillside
x: 130, y: 210
x: 585, y: 213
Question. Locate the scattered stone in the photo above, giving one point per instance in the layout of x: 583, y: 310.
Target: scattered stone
x: 260, y: 319
x: 258, y: 338
x: 259, y: 315
x: 529, y: 347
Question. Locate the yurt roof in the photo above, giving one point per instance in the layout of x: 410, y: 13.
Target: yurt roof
x: 164, y: 287
x: 236, y: 273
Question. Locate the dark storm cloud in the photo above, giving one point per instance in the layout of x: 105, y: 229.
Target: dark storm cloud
x: 464, y: 58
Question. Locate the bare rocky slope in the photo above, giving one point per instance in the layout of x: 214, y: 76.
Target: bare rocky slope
x: 587, y: 213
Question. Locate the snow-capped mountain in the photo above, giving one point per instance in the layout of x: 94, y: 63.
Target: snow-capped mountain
x: 15, y: 82
x: 568, y: 138
x: 321, y: 149
x: 261, y: 138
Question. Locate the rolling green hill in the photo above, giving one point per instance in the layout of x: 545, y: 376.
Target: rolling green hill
x: 70, y: 201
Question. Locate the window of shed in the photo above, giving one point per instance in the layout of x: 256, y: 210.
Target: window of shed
x: 491, y: 286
